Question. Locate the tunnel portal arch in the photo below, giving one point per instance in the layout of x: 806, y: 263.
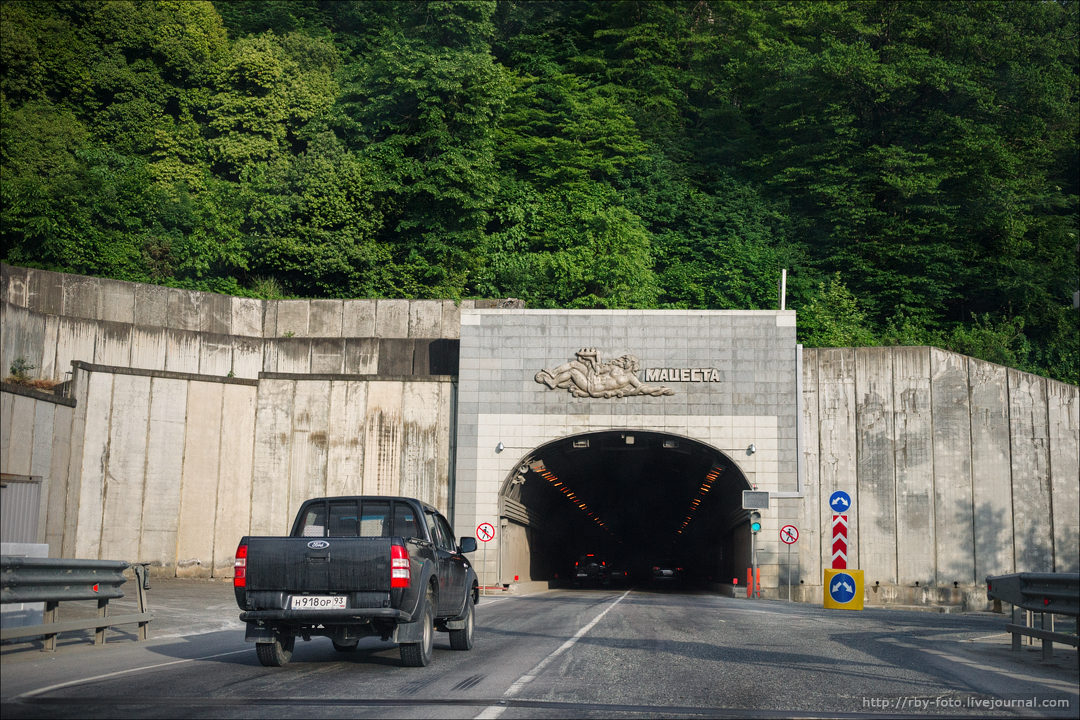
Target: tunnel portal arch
x: 629, y: 496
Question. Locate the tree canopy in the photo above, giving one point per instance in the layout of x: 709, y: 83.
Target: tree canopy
x: 913, y: 164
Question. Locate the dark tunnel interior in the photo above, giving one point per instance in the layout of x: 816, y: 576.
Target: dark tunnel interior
x: 639, y: 501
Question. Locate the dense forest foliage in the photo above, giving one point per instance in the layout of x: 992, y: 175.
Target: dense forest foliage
x: 914, y: 165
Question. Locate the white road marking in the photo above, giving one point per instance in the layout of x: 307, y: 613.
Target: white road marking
x: 494, y: 711
x: 118, y: 673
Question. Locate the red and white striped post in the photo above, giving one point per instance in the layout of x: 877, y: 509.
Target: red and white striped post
x: 839, y: 541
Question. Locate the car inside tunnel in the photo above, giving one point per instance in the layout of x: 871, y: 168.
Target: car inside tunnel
x: 635, y: 506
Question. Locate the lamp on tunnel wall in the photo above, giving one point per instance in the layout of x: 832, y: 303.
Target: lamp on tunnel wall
x: 499, y: 448
x: 752, y: 449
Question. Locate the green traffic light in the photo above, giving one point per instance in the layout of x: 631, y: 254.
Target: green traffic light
x: 755, y: 522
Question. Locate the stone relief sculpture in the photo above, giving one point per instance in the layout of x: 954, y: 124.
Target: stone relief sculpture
x: 586, y: 376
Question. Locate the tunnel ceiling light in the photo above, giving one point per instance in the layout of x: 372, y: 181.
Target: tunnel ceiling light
x: 581, y: 443
x: 670, y: 444
x: 629, y: 439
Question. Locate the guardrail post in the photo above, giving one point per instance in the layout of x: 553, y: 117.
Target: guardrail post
x: 51, y: 615
x: 1016, y: 621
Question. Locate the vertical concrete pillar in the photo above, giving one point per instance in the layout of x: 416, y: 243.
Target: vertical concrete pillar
x: 345, y: 461
x: 836, y: 406
x: 125, y: 468
x: 307, y: 465
x: 876, y: 500
x: 383, y: 438
x: 809, y: 548
x: 1064, y: 417
x: 991, y: 484
x: 199, y: 485
x: 234, y: 474
x: 165, y: 441
x: 912, y: 454
x: 953, y: 503
x: 59, y: 465
x: 92, y: 464
x: 273, y: 435
x: 1029, y: 441
x: 419, y: 476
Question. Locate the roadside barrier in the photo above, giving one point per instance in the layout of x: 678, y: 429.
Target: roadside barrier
x: 1046, y: 593
x: 55, y: 580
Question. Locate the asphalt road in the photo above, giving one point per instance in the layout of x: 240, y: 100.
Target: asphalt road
x: 561, y: 654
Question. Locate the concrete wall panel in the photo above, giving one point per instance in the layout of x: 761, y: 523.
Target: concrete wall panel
x: 446, y: 420
x: 149, y: 347
x: 165, y: 442
x: 247, y: 317
x: 292, y: 318
x: 45, y: 292
x: 112, y: 345
x: 14, y: 284
x: 392, y: 318
x: 419, y: 471
x: 48, y: 367
x: 1064, y: 418
x: 183, y: 350
x: 93, y: 459
x: 876, y: 501
x: 310, y: 442
x: 273, y: 436
x: 358, y: 319
x: 383, y: 438
x: 294, y: 355
x: 151, y: 306
x: 953, y: 503
x: 75, y: 340
x: 912, y: 452
x: 82, y: 297
x: 7, y: 425
x: 126, y: 468
x: 1029, y: 440
x: 233, y: 519
x: 185, y: 309
x: 328, y: 356
x: 23, y: 337
x: 60, y: 460
x: 117, y: 301
x: 991, y: 482
x: 425, y: 319
x: 325, y: 318
x: 811, y: 548
x: 247, y: 357
x: 836, y: 378
x: 361, y: 356
x: 199, y: 484
x: 451, y: 320
x: 18, y: 434
x: 345, y: 461
x: 215, y: 354
x: 215, y: 314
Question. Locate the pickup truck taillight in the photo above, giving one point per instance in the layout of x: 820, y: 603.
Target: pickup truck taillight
x: 240, y: 567
x: 400, y: 574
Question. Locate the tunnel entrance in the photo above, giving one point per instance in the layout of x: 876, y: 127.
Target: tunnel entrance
x: 637, y: 500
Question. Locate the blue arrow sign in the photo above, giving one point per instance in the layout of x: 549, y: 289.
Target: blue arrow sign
x: 840, y: 501
x: 842, y: 588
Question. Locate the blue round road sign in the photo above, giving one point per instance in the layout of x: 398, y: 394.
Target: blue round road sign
x: 840, y: 501
x: 842, y: 588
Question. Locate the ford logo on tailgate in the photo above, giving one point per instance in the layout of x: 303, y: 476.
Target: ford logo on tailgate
x: 318, y: 544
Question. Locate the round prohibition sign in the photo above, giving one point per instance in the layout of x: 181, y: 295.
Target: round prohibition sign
x: 789, y: 534
x: 485, y: 532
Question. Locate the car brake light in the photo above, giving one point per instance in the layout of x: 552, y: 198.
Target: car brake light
x: 400, y: 574
x: 240, y: 567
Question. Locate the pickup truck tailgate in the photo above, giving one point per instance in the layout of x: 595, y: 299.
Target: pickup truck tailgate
x: 300, y: 564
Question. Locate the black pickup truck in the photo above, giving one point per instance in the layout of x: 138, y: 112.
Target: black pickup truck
x: 356, y: 567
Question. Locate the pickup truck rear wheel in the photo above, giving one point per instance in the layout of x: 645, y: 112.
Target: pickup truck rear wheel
x: 277, y: 653
x: 419, y: 654
x: 463, y: 639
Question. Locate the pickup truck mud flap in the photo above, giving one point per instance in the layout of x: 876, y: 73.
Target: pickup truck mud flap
x: 258, y: 634
x: 412, y: 632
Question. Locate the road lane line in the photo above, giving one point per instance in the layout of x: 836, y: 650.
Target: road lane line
x: 494, y: 711
x: 118, y: 673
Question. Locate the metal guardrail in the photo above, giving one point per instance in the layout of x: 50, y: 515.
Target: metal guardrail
x: 53, y: 580
x: 1046, y: 593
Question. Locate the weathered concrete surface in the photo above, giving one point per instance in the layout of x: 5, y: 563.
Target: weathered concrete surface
x: 953, y: 521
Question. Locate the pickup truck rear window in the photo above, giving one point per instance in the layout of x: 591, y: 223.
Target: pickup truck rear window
x: 350, y: 518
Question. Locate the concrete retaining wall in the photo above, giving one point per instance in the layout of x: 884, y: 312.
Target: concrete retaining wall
x: 957, y: 469
x: 173, y: 469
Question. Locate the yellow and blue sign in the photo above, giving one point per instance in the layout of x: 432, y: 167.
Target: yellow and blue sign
x: 843, y: 589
